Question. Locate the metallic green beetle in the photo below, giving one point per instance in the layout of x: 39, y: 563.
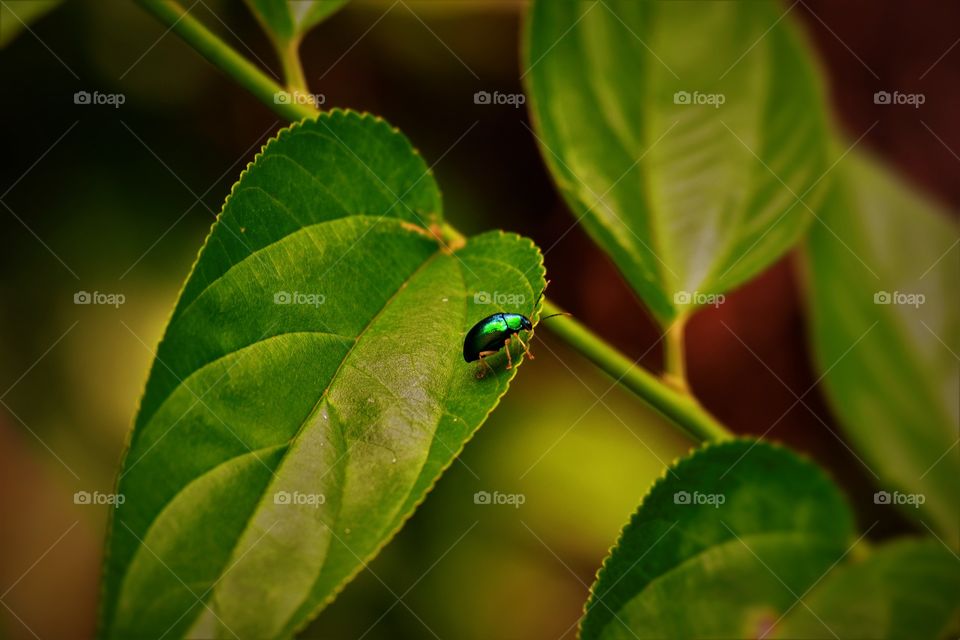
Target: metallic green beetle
x: 493, y: 333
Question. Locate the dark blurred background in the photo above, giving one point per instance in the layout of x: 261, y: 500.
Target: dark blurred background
x: 118, y: 200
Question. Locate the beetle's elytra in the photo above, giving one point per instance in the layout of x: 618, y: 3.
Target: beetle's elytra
x: 491, y: 333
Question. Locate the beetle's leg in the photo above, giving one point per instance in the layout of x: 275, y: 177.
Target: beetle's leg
x: 526, y: 348
x: 482, y: 369
x: 506, y: 347
x: 485, y: 366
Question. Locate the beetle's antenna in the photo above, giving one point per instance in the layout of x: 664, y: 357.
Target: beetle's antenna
x: 540, y: 297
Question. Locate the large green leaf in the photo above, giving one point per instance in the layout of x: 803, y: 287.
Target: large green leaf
x: 287, y: 20
x: 688, y: 199
x: 891, y: 370
x: 908, y: 589
x: 730, y: 537
x: 308, y: 390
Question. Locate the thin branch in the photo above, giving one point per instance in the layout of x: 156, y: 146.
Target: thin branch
x: 679, y: 407
x: 228, y: 60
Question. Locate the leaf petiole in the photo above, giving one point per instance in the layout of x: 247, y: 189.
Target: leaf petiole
x: 227, y: 59
x: 681, y: 408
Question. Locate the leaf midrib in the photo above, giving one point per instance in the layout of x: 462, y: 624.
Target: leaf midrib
x: 710, y: 280
x: 342, y: 460
x: 652, y: 226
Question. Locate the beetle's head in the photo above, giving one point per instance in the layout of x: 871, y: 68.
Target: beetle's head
x: 525, y: 324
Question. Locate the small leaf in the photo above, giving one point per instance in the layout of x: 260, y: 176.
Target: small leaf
x: 879, y: 597
x: 309, y: 388
x: 681, y: 135
x: 720, y: 546
x: 883, y: 272
x: 287, y: 20
x: 16, y: 15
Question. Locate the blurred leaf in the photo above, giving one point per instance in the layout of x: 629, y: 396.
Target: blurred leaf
x: 355, y: 401
x: 287, y: 20
x: 878, y: 597
x: 720, y: 546
x: 16, y: 15
x: 890, y: 370
x: 689, y: 196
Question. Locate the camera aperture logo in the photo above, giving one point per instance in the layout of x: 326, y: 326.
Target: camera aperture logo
x: 98, y: 297
x: 96, y: 98
x: 697, y: 98
x: 899, y: 298
x: 697, y: 498
x: 97, y: 498
x: 512, y: 99
x: 486, y: 497
x: 912, y: 499
x: 298, y: 498
x: 912, y: 99
x: 699, y: 299
x: 299, y: 297
x: 499, y: 298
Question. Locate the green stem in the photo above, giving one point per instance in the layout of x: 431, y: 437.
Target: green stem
x: 292, y: 68
x: 224, y: 57
x: 674, y: 355
x: 681, y: 408
x: 677, y: 405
